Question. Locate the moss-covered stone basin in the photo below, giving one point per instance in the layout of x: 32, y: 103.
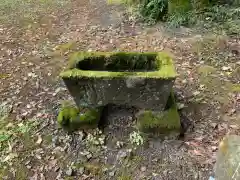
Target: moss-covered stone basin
x: 72, y: 118
x: 142, y: 80
x: 160, y: 123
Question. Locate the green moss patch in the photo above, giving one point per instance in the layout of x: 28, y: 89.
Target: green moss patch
x: 120, y: 64
x: 216, y: 87
x: 72, y: 118
x: 160, y: 123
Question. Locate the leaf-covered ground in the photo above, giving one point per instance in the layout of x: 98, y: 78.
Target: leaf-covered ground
x: 36, y: 39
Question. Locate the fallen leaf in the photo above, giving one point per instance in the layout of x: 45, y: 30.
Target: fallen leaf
x: 39, y: 141
x: 10, y: 157
x: 180, y: 105
x: 197, y: 153
x: 42, y: 177
x: 214, y: 148
x: 9, y: 147
x: 38, y: 156
x: 200, y: 138
x: 225, y: 68
x: 34, y: 177
x: 214, y: 125
x: 52, y: 164
x: 9, y: 125
x: 196, y: 93
x: 234, y: 126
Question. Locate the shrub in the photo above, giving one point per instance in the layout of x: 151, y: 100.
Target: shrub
x: 154, y: 10
x: 215, y: 14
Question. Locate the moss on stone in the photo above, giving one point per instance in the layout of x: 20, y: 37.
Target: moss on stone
x: 72, y: 118
x: 160, y: 122
x: 120, y: 64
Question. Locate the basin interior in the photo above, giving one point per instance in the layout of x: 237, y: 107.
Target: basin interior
x: 121, y: 62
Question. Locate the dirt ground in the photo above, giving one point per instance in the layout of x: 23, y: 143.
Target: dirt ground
x: 35, y: 44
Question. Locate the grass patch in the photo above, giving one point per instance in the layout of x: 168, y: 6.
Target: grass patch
x: 12, y: 136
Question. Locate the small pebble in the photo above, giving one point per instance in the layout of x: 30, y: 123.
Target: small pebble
x: 81, y: 170
x: 56, y: 168
x: 112, y: 173
x: 143, y: 168
x: 89, y: 156
x: 122, y: 154
x: 69, y: 172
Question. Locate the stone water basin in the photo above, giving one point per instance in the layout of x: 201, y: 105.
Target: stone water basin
x: 143, y: 80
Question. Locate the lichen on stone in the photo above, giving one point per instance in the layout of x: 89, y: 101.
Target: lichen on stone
x: 160, y: 122
x: 120, y: 64
x: 72, y: 118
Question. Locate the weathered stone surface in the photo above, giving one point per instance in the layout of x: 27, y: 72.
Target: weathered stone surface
x: 149, y: 93
x: 160, y: 123
x: 227, y: 166
x: 143, y: 80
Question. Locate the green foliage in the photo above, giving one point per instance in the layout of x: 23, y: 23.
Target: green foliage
x: 216, y: 18
x: 209, y: 14
x: 223, y: 17
x: 153, y: 10
x: 180, y: 19
x: 136, y: 139
x: 149, y: 10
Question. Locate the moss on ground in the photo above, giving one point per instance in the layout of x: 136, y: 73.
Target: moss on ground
x: 12, y: 131
x: 72, y: 118
x: 160, y: 122
x: 236, y: 88
x: 210, y: 78
x: 94, y: 168
x: 206, y: 70
x: 124, y: 177
x: 121, y: 64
